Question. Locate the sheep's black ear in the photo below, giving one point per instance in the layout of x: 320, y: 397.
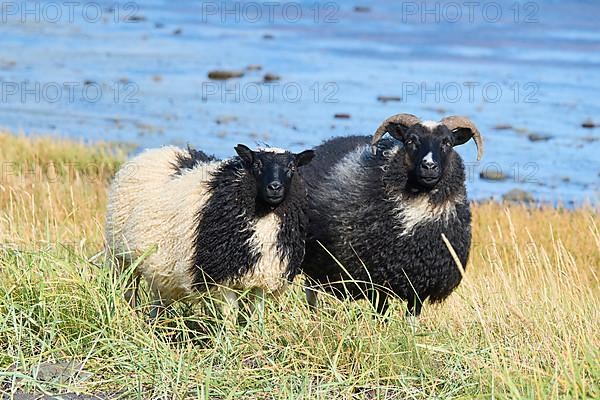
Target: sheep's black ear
x: 396, y: 125
x: 462, y: 135
x: 398, y: 131
x: 304, y: 158
x: 245, y: 153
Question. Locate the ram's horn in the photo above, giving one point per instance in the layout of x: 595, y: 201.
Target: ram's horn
x: 404, y: 120
x: 456, y: 122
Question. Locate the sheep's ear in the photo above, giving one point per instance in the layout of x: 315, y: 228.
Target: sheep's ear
x: 398, y: 131
x: 245, y: 154
x: 304, y: 158
x: 396, y: 125
x: 463, y: 129
x: 462, y: 135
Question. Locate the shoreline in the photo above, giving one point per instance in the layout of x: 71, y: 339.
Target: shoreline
x: 514, y: 195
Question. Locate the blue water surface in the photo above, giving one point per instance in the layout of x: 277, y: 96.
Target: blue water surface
x: 137, y: 72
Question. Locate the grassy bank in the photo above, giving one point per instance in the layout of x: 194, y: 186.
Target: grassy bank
x: 525, y: 323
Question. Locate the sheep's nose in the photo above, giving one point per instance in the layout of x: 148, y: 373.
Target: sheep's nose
x: 275, y: 186
x: 429, y: 165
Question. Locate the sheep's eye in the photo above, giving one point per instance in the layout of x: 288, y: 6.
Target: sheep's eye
x: 291, y: 169
x: 412, y: 142
x: 447, y: 143
x: 257, y: 166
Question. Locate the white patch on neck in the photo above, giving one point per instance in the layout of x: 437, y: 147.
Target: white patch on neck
x: 275, y: 150
x: 418, y: 210
x: 428, y: 157
x: 431, y: 125
x: 270, y: 272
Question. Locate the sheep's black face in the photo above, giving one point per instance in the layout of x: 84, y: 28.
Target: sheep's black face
x: 273, y: 170
x: 428, y: 151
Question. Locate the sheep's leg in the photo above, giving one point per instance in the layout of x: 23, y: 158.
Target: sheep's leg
x: 311, y: 297
x: 230, y: 307
x: 380, y: 301
x: 414, y: 306
x: 131, y: 291
x: 413, y: 310
x: 157, y: 308
x: 259, y: 305
x: 120, y: 266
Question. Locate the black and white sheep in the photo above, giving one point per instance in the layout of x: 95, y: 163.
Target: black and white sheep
x: 380, y: 208
x: 203, y: 224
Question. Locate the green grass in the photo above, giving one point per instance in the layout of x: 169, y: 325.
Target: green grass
x: 525, y: 322
x: 56, y: 308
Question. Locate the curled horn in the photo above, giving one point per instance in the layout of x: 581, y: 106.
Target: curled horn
x: 456, y: 122
x: 403, y: 120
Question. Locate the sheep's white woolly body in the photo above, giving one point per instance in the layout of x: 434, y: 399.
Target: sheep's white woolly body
x: 269, y: 272
x: 144, y: 218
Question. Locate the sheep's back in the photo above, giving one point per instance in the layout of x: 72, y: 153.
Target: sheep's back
x: 138, y: 178
x: 327, y: 155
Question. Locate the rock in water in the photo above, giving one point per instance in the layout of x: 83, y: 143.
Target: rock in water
x: 518, y: 196
x: 221, y: 75
x: 588, y: 123
x: 492, y: 175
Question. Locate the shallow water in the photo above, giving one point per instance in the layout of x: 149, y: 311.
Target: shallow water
x: 537, y: 70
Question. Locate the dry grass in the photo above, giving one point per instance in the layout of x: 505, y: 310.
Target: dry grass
x: 53, y: 190
x: 525, y: 322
